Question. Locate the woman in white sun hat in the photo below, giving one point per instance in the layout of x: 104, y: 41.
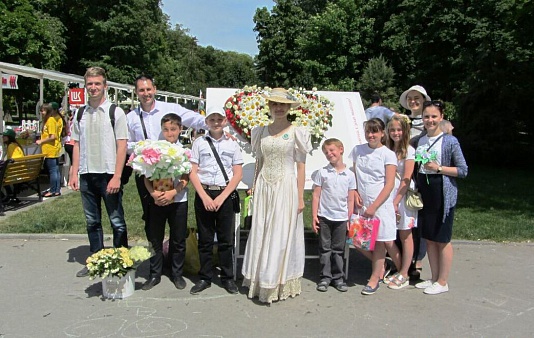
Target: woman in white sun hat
x: 274, y: 256
x: 412, y: 99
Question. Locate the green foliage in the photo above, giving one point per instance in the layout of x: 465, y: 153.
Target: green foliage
x: 378, y: 77
x: 501, y: 211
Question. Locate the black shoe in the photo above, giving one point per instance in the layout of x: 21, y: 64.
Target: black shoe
x: 200, y: 286
x: 229, y: 285
x: 83, y: 272
x: 150, y: 283
x: 179, y: 283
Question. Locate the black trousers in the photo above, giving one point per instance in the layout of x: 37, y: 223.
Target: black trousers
x: 210, y: 223
x: 176, y: 215
x: 145, y: 197
x: 332, y: 239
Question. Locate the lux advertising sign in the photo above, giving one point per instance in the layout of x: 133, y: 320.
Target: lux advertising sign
x: 76, y: 96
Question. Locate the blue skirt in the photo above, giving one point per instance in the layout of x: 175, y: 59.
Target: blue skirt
x: 433, y: 228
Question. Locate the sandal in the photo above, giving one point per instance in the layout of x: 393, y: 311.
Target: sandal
x: 389, y: 268
x: 322, y: 286
x: 48, y: 194
x: 398, y: 281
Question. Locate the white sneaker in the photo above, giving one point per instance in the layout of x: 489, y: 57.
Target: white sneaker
x: 424, y: 285
x: 436, y: 289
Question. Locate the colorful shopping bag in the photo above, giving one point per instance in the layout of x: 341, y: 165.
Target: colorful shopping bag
x: 363, y: 232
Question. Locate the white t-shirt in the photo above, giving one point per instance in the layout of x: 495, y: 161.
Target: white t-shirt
x: 435, y: 152
x: 335, y: 187
x: 410, y: 155
x: 209, y: 171
x: 97, y: 137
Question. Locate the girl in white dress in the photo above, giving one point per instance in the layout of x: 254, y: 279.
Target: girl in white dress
x: 398, y: 141
x: 274, y: 256
x: 375, y: 166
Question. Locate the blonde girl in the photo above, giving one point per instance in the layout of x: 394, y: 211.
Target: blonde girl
x: 398, y: 141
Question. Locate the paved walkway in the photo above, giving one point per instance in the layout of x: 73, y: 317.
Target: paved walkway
x: 41, y: 297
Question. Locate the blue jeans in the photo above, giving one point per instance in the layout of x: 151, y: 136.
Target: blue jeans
x: 93, y: 190
x: 52, y: 164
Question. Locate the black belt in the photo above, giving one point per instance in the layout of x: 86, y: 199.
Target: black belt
x: 212, y: 187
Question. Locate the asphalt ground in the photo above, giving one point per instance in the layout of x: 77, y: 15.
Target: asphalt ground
x: 40, y: 296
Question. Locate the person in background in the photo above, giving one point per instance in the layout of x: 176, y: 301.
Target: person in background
x: 274, y: 256
x: 50, y: 143
x: 168, y: 206
x: 69, y: 142
x: 332, y: 207
x: 13, y: 150
x: 378, y: 110
x: 413, y: 99
x: 436, y: 181
x: 446, y: 126
x: 98, y: 155
x: 213, y: 208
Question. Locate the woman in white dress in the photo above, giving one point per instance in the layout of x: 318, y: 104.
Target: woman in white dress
x: 274, y: 256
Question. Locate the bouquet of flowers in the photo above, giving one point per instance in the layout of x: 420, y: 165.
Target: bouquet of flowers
x: 160, y: 159
x: 423, y: 156
x: 247, y: 109
x: 116, y: 261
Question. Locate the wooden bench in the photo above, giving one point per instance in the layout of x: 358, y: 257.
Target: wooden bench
x: 23, y: 171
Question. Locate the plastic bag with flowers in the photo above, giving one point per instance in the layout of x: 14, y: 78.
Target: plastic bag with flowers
x: 363, y: 232
x: 116, y: 261
x: 247, y: 109
x: 160, y: 160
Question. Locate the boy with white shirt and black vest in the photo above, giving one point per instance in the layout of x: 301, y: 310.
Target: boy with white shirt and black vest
x: 213, y: 207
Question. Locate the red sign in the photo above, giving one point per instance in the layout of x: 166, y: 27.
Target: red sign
x: 9, y: 81
x: 76, y: 96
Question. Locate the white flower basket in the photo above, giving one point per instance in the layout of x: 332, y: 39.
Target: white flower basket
x: 119, y: 287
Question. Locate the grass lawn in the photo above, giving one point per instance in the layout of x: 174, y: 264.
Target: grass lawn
x: 493, y: 204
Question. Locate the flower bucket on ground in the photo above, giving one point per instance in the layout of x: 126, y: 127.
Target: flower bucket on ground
x: 114, y: 287
x: 116, y: 267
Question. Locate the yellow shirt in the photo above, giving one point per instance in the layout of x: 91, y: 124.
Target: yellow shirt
x: 53, y: 126
x: 14, y: 151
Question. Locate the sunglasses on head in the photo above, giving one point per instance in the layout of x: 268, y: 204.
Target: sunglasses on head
x: 435, y: 103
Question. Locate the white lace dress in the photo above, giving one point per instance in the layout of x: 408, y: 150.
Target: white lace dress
x: 274, y: 256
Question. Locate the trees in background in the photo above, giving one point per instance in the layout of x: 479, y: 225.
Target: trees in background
x: 476, y: 55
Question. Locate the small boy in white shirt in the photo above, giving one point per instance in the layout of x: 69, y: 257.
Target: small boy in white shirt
x: 333, y: 197
x: 168, y: 206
